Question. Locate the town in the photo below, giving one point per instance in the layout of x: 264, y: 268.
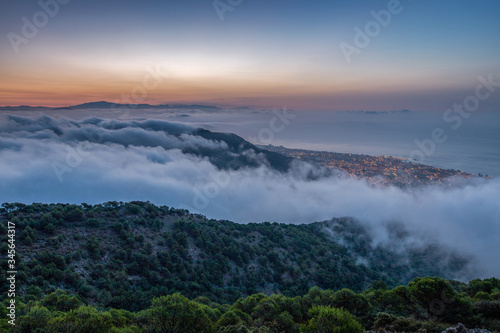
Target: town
x: 378, y: 170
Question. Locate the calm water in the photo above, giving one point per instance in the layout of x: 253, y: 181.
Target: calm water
x: 474, y: 147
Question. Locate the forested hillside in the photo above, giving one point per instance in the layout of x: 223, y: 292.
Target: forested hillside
x: 124, y: 254
x: 132, y: 256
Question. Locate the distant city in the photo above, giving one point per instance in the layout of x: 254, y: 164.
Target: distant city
x: 379, y: 170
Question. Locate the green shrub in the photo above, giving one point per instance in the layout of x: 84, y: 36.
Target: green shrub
x: 331, y: 320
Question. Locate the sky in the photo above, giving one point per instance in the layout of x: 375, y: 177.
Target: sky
x: 323, y: 55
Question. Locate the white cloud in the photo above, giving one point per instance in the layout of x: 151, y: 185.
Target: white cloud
x: 143, y: 160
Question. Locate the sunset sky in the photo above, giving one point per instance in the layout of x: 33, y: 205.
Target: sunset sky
x: 263, y: 54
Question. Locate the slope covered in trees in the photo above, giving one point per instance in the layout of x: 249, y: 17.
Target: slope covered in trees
x: 124, y: 254
x: 93, y: 264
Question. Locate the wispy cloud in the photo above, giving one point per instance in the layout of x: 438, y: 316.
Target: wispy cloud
x: 148, y: 160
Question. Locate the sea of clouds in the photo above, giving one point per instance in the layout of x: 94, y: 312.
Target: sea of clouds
x: 94, y: 160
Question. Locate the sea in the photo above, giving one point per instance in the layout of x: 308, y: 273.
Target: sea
x: 448, y: 141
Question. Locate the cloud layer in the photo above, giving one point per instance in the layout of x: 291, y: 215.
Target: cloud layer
x: 95, y: 160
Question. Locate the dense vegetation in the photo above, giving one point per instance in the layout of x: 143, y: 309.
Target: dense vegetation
x: 84, y: 268
x: 425, y: 305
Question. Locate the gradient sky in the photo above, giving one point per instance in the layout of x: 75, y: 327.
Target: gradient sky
x: 266, y: 53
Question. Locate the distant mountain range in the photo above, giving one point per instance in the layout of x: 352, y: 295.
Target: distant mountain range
x: 22, y: 107
x: 108, y: 105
